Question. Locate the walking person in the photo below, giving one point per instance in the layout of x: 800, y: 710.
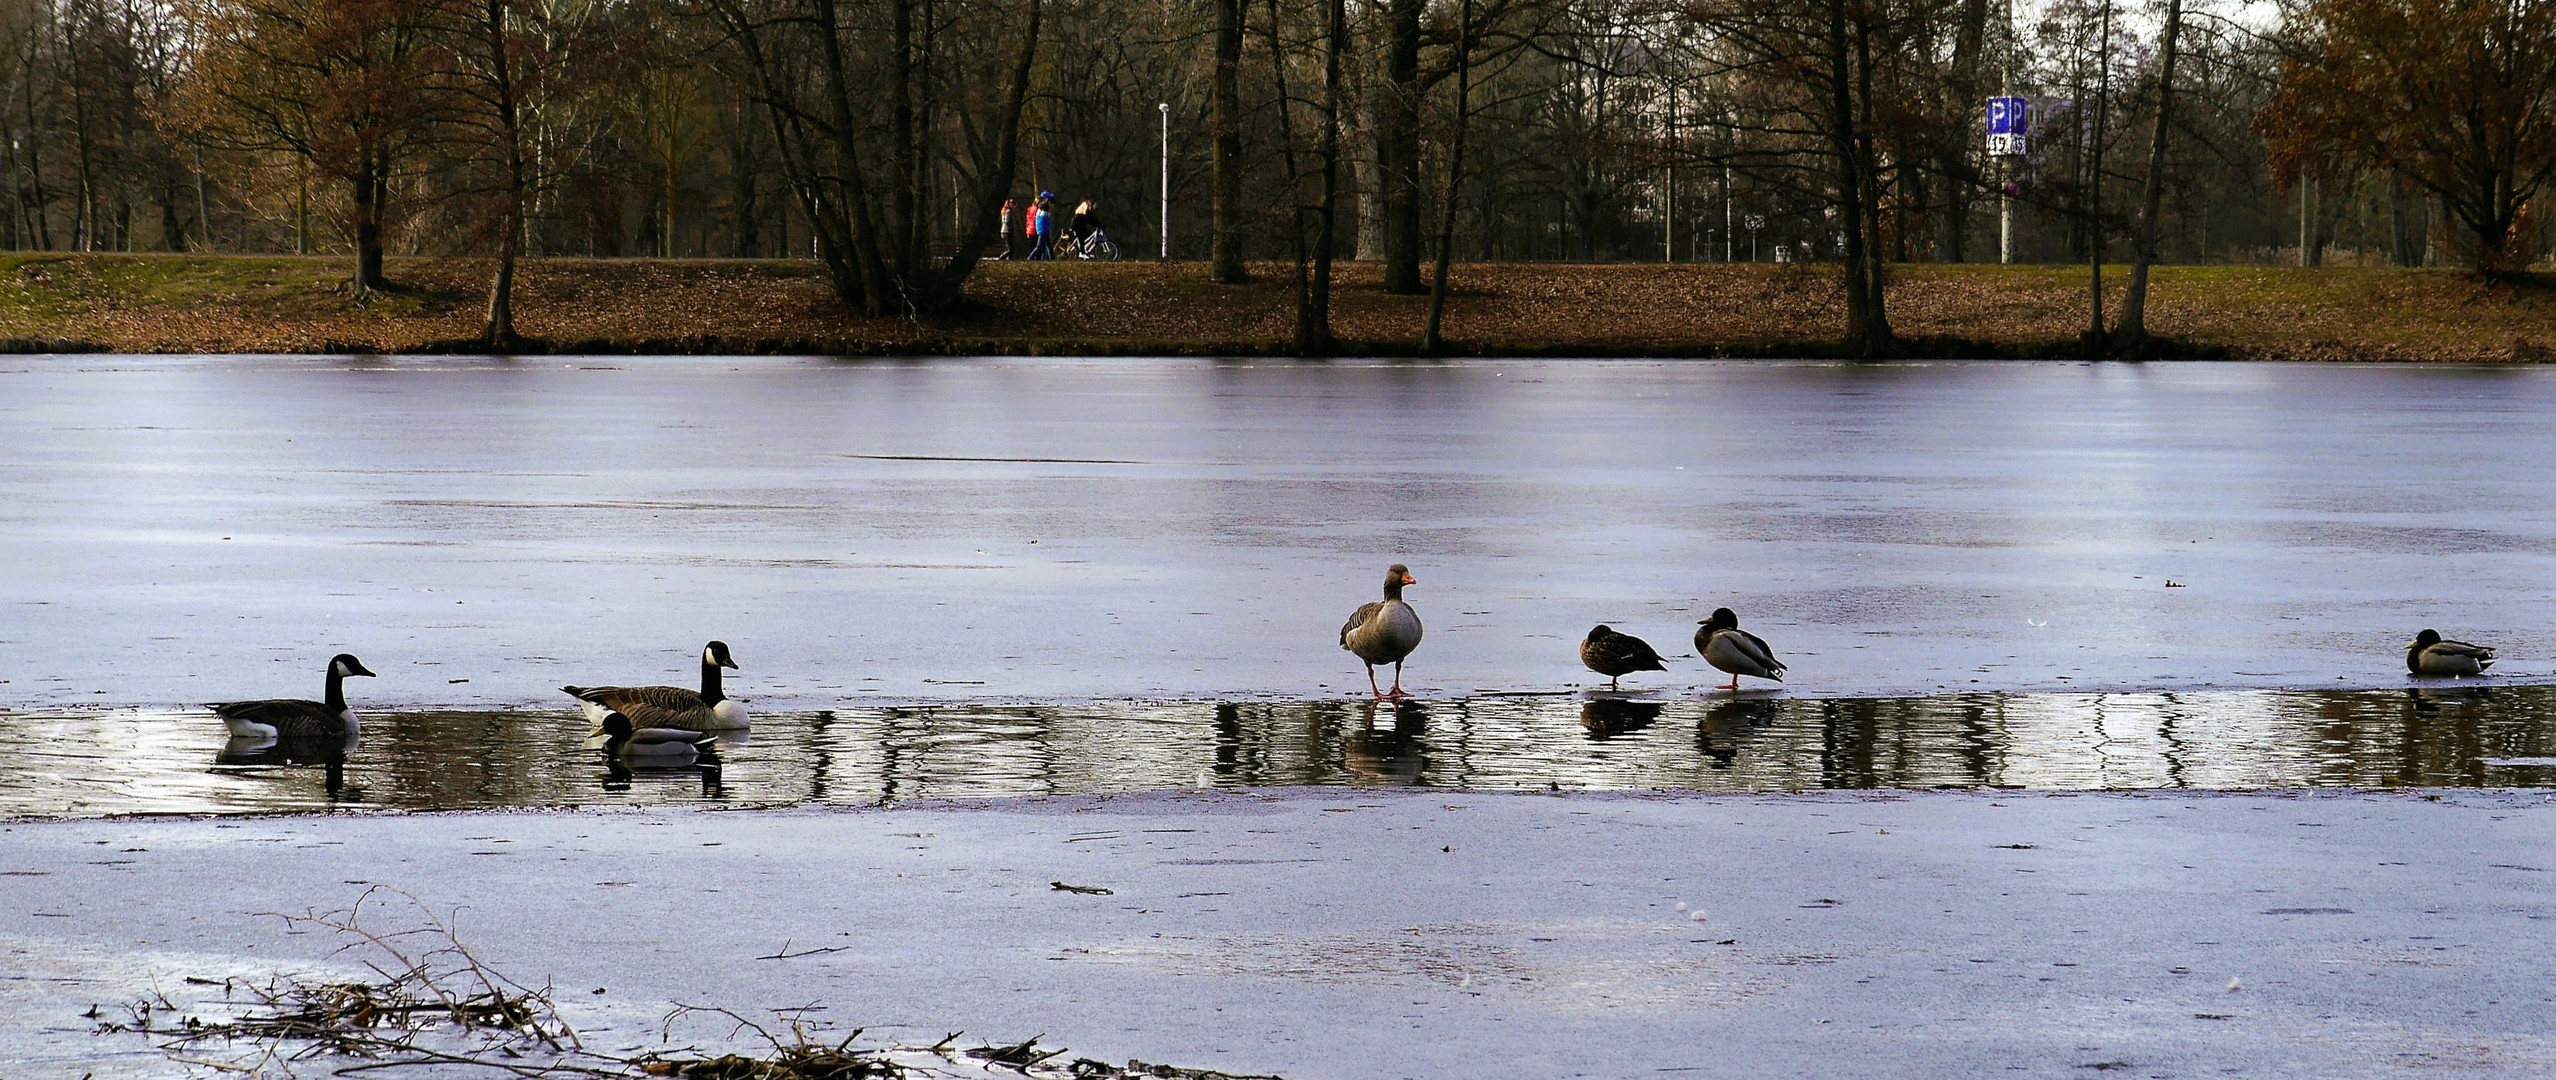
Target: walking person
x: 1003, y: 229
x: 1042, y: 222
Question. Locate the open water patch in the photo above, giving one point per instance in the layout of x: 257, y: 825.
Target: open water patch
x: 101, y: 763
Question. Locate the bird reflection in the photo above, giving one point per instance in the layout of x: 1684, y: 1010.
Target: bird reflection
x: 1607, y: 718
x: 1392, y: 755
x: 1727, y: 722
x: 619, y: 773
x: 2428, y: 702
x: 327, y: 751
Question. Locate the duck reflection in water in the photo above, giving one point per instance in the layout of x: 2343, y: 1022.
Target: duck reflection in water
x: 2428, y: 702
x: 619, y: 774
x: 1727, y: 723
x: 1606, y: 718
x: 1389, y: 755
x: 327, y: 751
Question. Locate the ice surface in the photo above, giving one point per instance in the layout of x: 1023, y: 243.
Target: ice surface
x: 183, y: 530
x: 1407, y: 934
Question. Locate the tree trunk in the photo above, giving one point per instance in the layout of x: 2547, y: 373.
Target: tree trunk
x: 1313, y: 313
x: 1867, y: 333
x: 1969, y: 42
x: 2097, y: 236
x: 370, y: 186
x: 2134, y: 308
x: 1398, y: 146
x: 1431, y: 343
x: 1225, y: 260
x: 500, y: 330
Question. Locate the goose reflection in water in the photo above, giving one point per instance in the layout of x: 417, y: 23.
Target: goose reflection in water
x: 1606, y: 718
x: 1730, y: 722
x: 260, y: 751
x: 1390, y: 755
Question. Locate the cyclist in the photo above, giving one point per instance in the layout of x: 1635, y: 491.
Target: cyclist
x: 1085, y: 223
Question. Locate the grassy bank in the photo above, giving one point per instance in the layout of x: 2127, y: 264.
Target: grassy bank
x: 177, y: 303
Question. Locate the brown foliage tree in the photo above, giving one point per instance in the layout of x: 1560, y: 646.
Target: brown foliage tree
x: 339, y: 84
x: 2456, y: 96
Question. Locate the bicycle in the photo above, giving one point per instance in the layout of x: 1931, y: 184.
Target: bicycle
x: 1097, y: 246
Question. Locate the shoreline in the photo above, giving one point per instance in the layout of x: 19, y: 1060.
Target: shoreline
x: 244, y: 304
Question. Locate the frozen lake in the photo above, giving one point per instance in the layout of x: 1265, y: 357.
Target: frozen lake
x: 190, y: 529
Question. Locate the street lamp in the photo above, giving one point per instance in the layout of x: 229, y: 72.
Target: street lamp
x: 1166, y: 108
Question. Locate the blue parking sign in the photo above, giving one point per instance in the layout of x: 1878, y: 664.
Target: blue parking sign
x: 2008, y: 120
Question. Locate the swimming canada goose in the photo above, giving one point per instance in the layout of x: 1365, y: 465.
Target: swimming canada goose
x: 670, y: 706
x: 2431, y: 654
x: 1726, y: 646
x: 296, y: 718
x: 1617, y: 655
x: 623, y: 740
x: 1385, y: 631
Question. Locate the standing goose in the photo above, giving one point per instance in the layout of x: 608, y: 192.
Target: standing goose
x: 1617, y: 655
x: 2431, y: 654
x: 670, y: 706
x: 1384, y: 632
x: 1734, y: 650
x: 622, y: 740
x: 296, y: 718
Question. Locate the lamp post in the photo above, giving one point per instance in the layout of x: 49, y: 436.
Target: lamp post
x: 1166, y: 108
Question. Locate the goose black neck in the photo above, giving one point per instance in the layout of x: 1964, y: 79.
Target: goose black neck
x: 336, y: 690
x: 710, y: 690
x: 1393, y: 588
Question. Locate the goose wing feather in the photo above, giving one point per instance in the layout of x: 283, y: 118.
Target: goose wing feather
x: 644, y: 705
x: 288, y: 716
x: 1366, y: 613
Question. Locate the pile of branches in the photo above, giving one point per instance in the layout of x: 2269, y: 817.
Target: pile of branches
x: 430, y: 1002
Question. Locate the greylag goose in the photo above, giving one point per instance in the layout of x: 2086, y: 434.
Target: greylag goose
x: 670, y: 706
x: 296, y: 718
x: 1617, y: 655
x: 1724, y: 645
x: 2431, y: 654
x: 1385, y: 631
x: 623, y: 740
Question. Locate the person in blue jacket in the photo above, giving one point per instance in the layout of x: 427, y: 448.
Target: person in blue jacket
x: 1043, y: 213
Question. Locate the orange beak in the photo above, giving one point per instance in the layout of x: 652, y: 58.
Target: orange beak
x: 1409, y: 580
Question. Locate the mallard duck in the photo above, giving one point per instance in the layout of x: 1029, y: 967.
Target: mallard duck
x: 1724, y: 645
x: 2431, y: 654
x: 296, y: 718
x: 671, y: 706
x: 1617, y: 655
x: 1385, y: 631
x: 622, y: 739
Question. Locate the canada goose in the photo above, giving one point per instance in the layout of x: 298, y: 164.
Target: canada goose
x: 1726, y: 646
x: 1383, y: 632
x: 296, y: 718
x: 1617, y: 655
x: 2431, y: 654
x: 623, y: 740
x: 670, y: 706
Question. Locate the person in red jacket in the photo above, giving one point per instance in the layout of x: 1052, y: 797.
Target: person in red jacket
x: 1042, y: 227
